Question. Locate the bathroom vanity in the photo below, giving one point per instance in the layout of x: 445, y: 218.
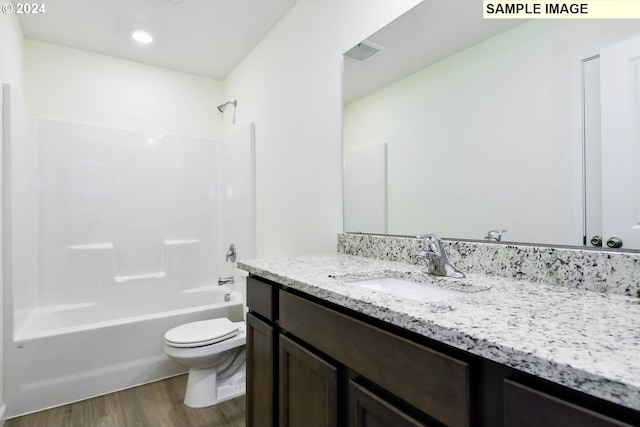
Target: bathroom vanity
x: 323, y: 351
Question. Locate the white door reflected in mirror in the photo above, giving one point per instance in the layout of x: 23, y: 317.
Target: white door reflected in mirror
x: 620, y: 89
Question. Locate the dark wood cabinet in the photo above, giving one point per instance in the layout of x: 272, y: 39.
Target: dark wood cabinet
x: 261, y: 387
x: 311, y: 363
x: 261, y: 299
x: 366, y: 409
x: 432, y: 382
x: 527, y: 407
x: 308, y: 388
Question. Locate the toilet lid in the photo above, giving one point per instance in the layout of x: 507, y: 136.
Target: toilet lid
x: 205, y: 332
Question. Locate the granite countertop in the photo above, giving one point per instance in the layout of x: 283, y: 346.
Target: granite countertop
x: 584, y: 340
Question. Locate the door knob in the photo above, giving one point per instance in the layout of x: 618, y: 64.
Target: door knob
x: 596, y: 240
x: 614, y: 242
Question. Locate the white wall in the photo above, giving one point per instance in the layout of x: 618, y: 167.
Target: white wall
x: 482, y: 139
x: 290, y: 86
x: 11, y: 72
x: 79, y: 86
x: 11, y: 52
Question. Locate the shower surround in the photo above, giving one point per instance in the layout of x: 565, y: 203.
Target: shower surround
x: 111, y: 227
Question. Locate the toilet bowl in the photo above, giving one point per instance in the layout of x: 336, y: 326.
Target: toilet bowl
x: 214, y: 352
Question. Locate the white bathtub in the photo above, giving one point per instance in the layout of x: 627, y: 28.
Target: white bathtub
x: 68, y: 353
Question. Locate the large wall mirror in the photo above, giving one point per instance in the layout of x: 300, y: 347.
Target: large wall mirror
x: 457, y: 125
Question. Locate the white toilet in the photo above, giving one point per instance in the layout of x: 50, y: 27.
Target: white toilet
x: 214, y: 352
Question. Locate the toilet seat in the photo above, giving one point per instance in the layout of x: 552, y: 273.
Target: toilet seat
x: 202, y: 333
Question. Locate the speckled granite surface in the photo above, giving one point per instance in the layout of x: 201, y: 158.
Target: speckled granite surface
x: 599, y: 271
x: 588, y: 341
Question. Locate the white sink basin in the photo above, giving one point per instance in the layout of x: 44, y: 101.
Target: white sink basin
x: 408, y: 289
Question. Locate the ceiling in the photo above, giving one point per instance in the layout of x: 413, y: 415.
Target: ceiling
x: 428, y: 33
x: 202, y: 37
x: 210, y: 37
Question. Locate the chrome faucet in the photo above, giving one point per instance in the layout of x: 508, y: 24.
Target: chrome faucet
x: 436, y: 258
x: 225, y: 280
x: 494, y: 235
x: 231, y: 256
x: 231, y: 253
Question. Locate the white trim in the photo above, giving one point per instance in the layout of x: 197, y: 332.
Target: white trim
x: 577, y: 145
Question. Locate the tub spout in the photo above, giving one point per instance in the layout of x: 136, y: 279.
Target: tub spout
x: 225, y: 280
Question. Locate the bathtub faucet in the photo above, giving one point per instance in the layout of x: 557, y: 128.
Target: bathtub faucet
x: 231, y: 253
x: 225, y: 280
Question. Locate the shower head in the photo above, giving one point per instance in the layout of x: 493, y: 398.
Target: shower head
x: 221, y: 107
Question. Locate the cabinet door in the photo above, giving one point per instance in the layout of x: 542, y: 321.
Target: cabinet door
x: 308, y: 388
x: 526, y: 407
x: 368, y: 410
x: 260, y: 373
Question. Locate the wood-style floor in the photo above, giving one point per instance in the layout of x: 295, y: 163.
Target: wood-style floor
x: 158, y: 404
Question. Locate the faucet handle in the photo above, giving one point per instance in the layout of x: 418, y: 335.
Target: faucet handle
x: 432, y: 242
x: 231, y: 253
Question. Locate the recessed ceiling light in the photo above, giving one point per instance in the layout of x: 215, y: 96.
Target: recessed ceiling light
x: 142, y: 36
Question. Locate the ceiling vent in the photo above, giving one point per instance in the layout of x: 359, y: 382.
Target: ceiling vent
x: 363, y: 50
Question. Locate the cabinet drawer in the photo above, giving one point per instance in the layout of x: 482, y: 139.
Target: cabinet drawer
x: 432, y: 382
x: 526, y: 407
x: 261, y: 298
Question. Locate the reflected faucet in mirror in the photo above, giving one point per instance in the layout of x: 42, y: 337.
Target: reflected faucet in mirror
x: 494, y: 235
x: 436, y: 258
